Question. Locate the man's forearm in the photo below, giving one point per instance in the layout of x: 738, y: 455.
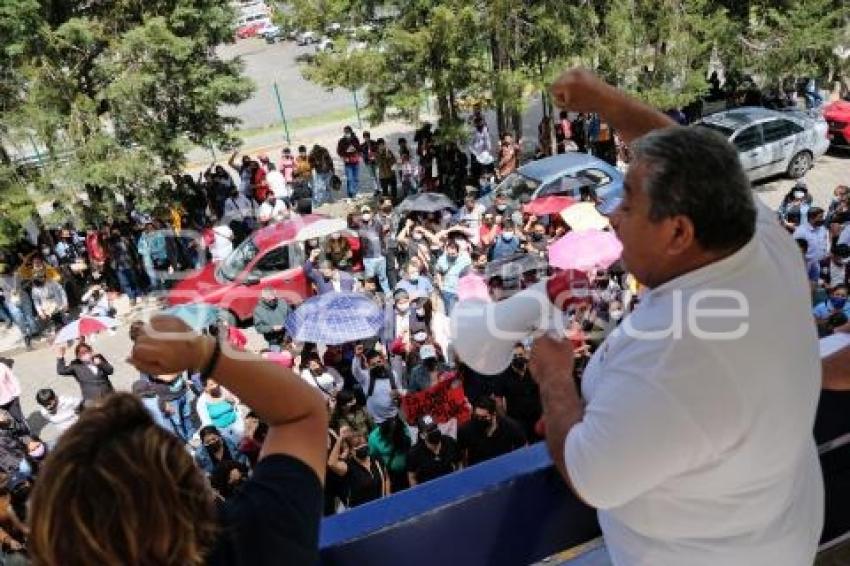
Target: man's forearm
x: 562, y: 409
x: 629, y: 116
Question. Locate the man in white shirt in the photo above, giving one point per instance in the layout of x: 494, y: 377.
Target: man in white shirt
x: 694, y: 435
x: 222, y: 244
x: 277, y: 184
x: 273, y: 209
x: 815, y: 233
x: 61, y: 412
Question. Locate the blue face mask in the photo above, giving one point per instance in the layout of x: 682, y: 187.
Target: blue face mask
x: 838, y: 302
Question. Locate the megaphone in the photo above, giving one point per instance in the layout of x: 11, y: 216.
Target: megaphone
x: 484, y: 334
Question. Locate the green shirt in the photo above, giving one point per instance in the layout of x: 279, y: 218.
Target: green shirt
x: 379, y: 447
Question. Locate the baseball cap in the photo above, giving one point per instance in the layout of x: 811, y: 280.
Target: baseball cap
x: 426, y: 423
x: 427, y: 352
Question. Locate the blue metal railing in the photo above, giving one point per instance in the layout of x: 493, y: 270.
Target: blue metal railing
x: 508, y: 511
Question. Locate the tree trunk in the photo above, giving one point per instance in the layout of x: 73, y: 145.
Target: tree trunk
x: 5, y: 159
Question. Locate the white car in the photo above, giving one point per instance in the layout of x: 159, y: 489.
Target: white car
x: 770, y: 142
x: 306, y: 38
x: 325, y: 44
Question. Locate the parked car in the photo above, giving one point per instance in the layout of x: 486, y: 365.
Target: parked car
x: 306, y: 38
x: 271, y: 33
x: 252, y: 25
x: 270, y: 257
x: 568, y: 174
x: 325, y: 44
x: 771, y: 142
x: 837, y: 115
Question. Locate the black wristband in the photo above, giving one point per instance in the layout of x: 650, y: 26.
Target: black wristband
x: 207, y: 372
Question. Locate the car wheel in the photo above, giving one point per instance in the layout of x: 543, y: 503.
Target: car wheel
x: 800, y: 164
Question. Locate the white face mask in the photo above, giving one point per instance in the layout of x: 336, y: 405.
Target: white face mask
x: 799, y: 194
x: 616, y: 315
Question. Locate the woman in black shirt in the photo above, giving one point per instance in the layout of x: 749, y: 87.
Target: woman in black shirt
x: 115, y: 470
x: 365, y: 477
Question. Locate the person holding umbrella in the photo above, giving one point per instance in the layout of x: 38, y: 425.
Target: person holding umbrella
x: 91, y: 371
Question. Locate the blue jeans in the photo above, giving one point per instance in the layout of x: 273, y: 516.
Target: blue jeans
x: 352, y: 181
x: 181, y: 417
x: 377, y: 266
x: 321, y: 182
x: 20, y: 317
x: 449, y: 301
x: 127, y: 282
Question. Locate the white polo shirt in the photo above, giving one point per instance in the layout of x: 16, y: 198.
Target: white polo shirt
x: 699, y: 451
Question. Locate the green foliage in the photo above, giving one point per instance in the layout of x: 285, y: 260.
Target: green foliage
x: 115, y: 91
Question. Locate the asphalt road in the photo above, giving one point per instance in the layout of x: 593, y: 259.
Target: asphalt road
x: 266, y: 64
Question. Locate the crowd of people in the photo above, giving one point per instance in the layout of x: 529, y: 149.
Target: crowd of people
x: 410, y: 263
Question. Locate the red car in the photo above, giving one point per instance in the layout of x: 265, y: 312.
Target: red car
x: 251, y: 29
x: 270, y: 257
x: 837, y: 115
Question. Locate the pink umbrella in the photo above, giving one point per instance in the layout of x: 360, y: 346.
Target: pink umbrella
x: 548, y: 205
x: 472, y: 286
x: 84, y: 326
x: 585, y: 250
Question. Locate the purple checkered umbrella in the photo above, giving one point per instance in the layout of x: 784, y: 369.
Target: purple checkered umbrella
x: 335, y: 318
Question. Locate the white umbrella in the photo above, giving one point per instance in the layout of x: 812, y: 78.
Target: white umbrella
x: 84, y: 326
x: 321, y: 228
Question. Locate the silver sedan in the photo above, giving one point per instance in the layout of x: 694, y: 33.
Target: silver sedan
x: 771, y: 142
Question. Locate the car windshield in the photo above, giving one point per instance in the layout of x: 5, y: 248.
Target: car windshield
x: 516, y: 185
x: 236, y: 262
x: 722, y: 130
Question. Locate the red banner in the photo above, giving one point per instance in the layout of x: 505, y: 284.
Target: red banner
x: 443, y: 401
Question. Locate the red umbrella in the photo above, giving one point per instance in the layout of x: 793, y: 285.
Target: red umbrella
x: 84, y: 326
x: 548, y: 205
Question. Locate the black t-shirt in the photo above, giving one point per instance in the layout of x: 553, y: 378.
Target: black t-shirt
x: 507, y: 437
x: 274, y: 519
x: 363, y: 485
x: 522, y: 396
x: 422, y: 462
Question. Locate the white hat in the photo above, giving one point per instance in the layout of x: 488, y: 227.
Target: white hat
x: 427, y: 352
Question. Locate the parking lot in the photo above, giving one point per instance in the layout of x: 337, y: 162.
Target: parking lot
x: 266, y: 64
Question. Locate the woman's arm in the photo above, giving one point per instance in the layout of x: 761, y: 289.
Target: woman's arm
x: 295, y: 412
x: 336, y: 464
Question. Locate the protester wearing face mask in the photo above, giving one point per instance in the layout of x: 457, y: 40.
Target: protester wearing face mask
x: 49, y: 302
x: 507, y: 243
x: 62, y: 412
x: 520, y: 394
x: 488, y: 435
x: 379, y: 382
x: 816, y: 234
x: 835, y: 304
x: 414, y: 282
x: 270, y: 317
x: 91, y: 371
x: 218, y: 407
x: 327, y: 278
x: 434, y: 456
x: 338, y: 251
x: 327, y: 381
x: 397, y: 318
x: 537, y: 242
x: 216, y: 449
x: 416, y: 241
x: 451, y: 266
x: 797, y: 201
x: 365, y: 478
x: 372, y: 235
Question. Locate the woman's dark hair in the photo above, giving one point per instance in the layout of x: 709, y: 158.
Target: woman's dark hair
x: 395, y: 431
x: 207, y: 431
x: 343, y: 398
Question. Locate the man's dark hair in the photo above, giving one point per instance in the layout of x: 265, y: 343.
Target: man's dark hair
x: 452, y: 244
x: 695, y: 172
x: 485, y: 402
x: 841, y: 250
x: 839, y: 287
x: 813, y: 213
x: 44, y: 396
x: 372, y: 354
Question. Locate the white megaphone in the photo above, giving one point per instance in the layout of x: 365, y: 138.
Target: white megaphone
x: 484, y: 334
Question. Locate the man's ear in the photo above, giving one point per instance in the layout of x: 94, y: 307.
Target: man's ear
x: 680, y: 234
